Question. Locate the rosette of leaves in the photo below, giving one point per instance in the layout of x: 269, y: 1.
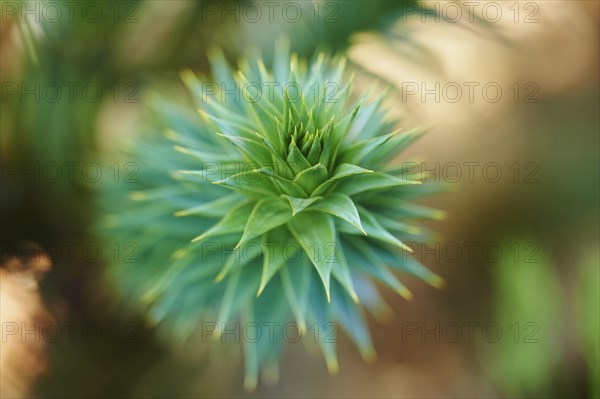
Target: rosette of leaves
x: 277, y: 202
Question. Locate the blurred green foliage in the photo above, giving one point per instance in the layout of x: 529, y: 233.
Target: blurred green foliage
x: 563, y: 134
x: 588, y: 319
x: 532, y: 301
x: 529, y: 308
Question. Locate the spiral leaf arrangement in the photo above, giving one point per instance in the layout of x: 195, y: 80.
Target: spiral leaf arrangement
x: 270, y: 207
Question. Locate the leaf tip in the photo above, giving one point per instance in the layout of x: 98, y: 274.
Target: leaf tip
x: 436, y: 281
x: 332, y: 365
x: 170, y: 134
x: 198, y: 238
x: 439, y: 215
x: 180, y: 253
x: 250, y: 383
x: 406, y: 294
x: 369, y: 355
x: 263, y: 284
x: 137, y: 196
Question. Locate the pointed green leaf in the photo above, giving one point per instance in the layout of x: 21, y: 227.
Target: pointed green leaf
x: 371, y: 299
x: 315, y: 151
x: 357, y: 152
x: 370, y: 182
x: 369, y: 261
x: 203, y: 156
x: 341, y: 206
x: 315, y: 233
x: 268, y: 307
x: 342, y: 171
x: 200, y: 176
x: 371, y: 115
x: 290, y: 109
x: 319, y: 110
x: 157, y: 193
x: 225, y: 124
x: 287, y: 186
x: 347, y: 169
x: 233, y: 222
x: 349, y: 119
x: 295, y: 159
x: 228, y: 297
x: 203, y: 100
x: 298, y: 204
x: 254, y: 150
x: 327, y: 152
x: 399, y: 208
x: 310, y: 178
x: 341, y: 272
x: 240, y: 256
x: 322, y: 316
x: 267, y: 127
x: 399, y: 227
x: 268, y: 213
x: 296, y: 279
x: 273, y: 258
x: 240, y: 288
x: 395, y: 146
x: 413, y: 267
x: 218, y: 207
x: 376, y: 231
x: 222, y: 71
x: 253, y: 181
x: 352, y: 320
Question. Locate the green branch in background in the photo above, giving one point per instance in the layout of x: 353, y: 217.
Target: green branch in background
x: 531, y: 301
x: 269, y: 206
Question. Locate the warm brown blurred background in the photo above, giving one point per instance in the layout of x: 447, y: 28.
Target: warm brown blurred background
x: 511, y: 97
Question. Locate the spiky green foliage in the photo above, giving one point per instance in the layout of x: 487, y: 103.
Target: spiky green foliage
x: 271, y: 208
